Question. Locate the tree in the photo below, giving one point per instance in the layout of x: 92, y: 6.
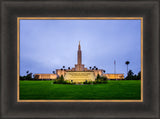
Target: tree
x: 104, y: 71
x: 22, y: 77
x: 63, y: 67
x: 90, y: 68
x: 27, y: 71
x: 62, y: 78
x: 53, y: 72
x: 127, y: 63
x: 29, y: 76
x: 139, y: 76
x: 69, y: 68
x: 130, y: 75
x: 98, y: 76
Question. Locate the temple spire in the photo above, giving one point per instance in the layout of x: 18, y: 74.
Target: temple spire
x: 79, y: 66
x: 79, y: 46
x: 79, y: 55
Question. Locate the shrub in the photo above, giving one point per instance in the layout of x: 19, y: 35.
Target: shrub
x: 85, y: 82
x: 68, y: 82
x: 101, y: 80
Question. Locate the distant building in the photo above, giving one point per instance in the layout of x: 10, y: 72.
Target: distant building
x: 45, y: 76
x: 114, y: 76
x: 79, y: 67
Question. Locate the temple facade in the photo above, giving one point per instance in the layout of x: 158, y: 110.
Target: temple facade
x: 79, y: 67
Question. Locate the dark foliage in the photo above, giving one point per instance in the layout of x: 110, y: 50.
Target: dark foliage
x: 27, y: 77
x: 132, y: 76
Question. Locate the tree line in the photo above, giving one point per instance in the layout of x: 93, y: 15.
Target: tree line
x: 132, y: 76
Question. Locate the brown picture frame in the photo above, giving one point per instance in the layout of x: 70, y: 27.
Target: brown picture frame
x: 10, y: 108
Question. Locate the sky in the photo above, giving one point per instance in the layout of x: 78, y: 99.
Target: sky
x: 47, y: 45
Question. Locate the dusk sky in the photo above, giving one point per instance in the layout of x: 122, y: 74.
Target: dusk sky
x: 47, y: 45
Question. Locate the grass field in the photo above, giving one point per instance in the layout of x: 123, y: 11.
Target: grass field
x: 113, y: 90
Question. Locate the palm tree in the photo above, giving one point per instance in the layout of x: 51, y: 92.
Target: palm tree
x: 53, y: 72
x: 63, y: 67
x: 90, y: 68
x: 94, y: 67
x: 27, y: 71
x: 127, y: 63
x: 104, y: 71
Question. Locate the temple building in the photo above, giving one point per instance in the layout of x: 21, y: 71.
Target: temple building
x: 79, y: 67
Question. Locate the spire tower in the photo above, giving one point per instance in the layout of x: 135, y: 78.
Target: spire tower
x: 79, y: 46
x: 79, y: 55
x: 79, y: 66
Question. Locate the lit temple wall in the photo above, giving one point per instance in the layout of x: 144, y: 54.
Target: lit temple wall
x: 99, y: 71
x: 114, y: 76
x: 45, y: 76
x: 60, y: 72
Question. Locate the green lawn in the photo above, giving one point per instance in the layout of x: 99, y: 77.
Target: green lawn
x: 130, y: 89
